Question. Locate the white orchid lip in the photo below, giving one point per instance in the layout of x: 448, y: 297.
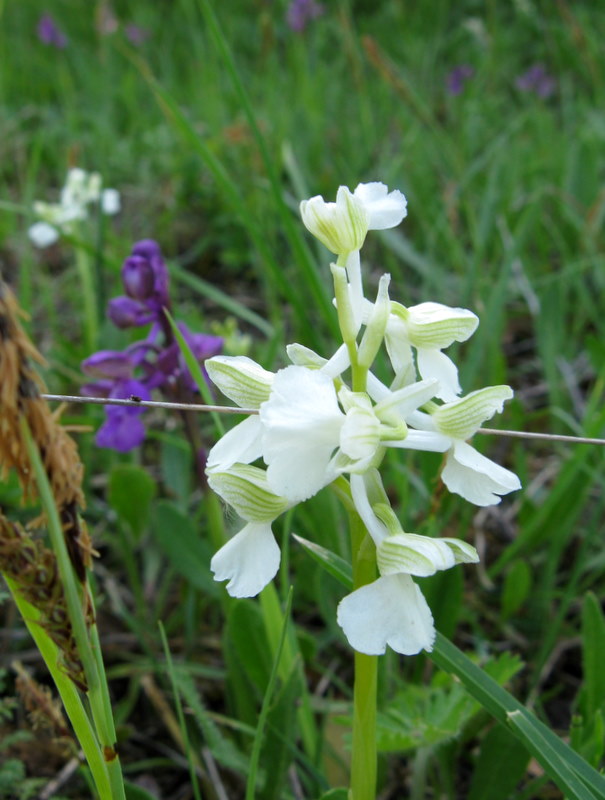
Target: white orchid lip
x: 391, y: 611
x: 240, y: 379
x: 248, y: 561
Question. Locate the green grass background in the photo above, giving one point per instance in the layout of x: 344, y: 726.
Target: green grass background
x: 212, y: 153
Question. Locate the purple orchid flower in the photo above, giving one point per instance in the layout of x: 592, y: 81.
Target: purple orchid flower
x: 50, y: 34
x: 136, y: 35
x: 301, y: 12
x: 155, y: 362
x: 457, y: 77
x: 537, y: 80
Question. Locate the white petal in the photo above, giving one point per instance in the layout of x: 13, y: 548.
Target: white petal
x: 42, y: 234
x: 301, y: 429
x: 391, y: 611
x: 241, y: 444
x: 353, y: 266
x: 422, y: 440
x: 248, y: 561
x: 408, y: 399
x: 110, y: 201
x: 435, y: 364
x: 475, y: 477
x: 338, y: 363
x: 359, y: 494
x: 398, y: 344
x: 385, y: 209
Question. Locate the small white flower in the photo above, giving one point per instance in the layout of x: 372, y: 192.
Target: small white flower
x: 80, y: 190
x: 251, y: 558
x: 392, y: 610
x: 110, y: 202
x: 342, y: 226
x: 42, y: 234
x: 430, y: 328
x: 467, y: 473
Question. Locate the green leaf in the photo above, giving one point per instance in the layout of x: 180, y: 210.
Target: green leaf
x: 131, y: 490
x: 264, y: 712
x: 516, y: 588
x: 183, y: 545
x: 223, y: 749
x: 593, y: 648
x: 568, y: 770
x: 428, y: 715
x: 335, y: 794
x: 335, y: 565
x: 500, y: 766
x: 134, y: 792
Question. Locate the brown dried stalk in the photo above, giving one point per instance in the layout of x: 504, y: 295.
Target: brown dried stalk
x: 20, y: 390
x: 33, y: 568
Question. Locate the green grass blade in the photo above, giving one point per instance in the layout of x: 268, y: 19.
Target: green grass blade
x: 569, y: 770
x: 180, y: 715
x: 262, y: 719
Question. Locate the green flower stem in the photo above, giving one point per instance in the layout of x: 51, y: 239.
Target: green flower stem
x: 68, y: 693
x: 89, y: 298
x: 363, y: 755
x: 98, y: 695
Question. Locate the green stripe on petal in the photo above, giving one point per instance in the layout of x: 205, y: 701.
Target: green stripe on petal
x: 245, y: 488
x: 462, y: 418
x: 464, y: 553
x: 240, y: 379
x: 435, y: 326
x: 414, y: 555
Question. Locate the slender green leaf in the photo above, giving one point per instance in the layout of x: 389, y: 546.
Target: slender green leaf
x: 593, y: 652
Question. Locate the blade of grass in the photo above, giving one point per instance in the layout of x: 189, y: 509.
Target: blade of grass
x: 181, y: 717
x: 262, y: 718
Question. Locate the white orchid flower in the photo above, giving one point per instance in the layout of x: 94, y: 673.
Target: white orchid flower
x: 430, y: 328
x: 467, y: 473
x: 251, y: 558
x: 342, y: 226
x: 80, y: 190
x: 308, y: 439
x: 392, y: 610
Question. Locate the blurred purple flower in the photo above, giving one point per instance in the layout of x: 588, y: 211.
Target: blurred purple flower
x: 136, y: 35
x: 301, y: 12
x: 123, y: 428
x: 145, y: 279
x: 49, y: 33
x: 537, y: 80
x: 155, y: 362
x: 457, y: 77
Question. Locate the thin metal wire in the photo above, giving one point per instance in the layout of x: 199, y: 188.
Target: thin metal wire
x: 134, y: 401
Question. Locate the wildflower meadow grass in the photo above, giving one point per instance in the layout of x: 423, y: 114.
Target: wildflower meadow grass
x: 334, y: 591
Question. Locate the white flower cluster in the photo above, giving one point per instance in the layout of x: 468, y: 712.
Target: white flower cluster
x: 311, y: 428
x: 80, y: 191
